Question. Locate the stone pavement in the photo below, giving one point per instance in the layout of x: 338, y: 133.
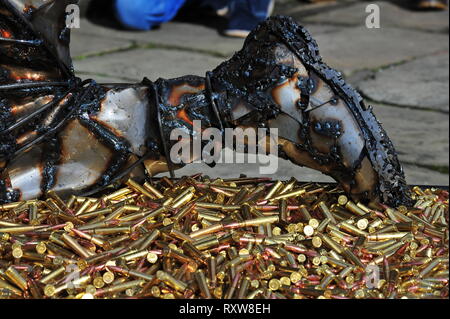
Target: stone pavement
x: 401, y: 69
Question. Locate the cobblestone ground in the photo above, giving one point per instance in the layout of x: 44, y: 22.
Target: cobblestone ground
x: 401, y: 69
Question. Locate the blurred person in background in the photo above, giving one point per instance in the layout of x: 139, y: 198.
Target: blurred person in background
x: 431, y: 4
x: 243, y: 15
x: 425, y: 5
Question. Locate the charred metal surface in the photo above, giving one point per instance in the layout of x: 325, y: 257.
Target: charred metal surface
x: 246, y: 77
x: 60, y: 133
x: 120, y: 147
x: 51, y: 158
x: 329, y: 128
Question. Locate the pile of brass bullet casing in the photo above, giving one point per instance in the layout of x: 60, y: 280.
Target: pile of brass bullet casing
x: 243, y: 238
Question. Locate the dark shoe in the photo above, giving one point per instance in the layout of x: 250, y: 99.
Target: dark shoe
x: 246, y: 15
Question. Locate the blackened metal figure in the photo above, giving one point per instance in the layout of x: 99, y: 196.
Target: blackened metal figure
x: 60, y: 133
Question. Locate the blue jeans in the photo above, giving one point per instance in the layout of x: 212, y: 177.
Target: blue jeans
x: 247, y: 14
x: 145, y: 14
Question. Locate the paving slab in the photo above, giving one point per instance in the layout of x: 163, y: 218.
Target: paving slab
x: 85, y: 44
x: 391, y: 15
x: 414, y: 175
x: 420, y: 83
x: 301, y: 9
x: 102, y: 78
x: 355, y: 48
x: 152, y: 63
x: 421, y: 176
x: 177, y: 34
x: 420, y: 137
x: 286, y: 170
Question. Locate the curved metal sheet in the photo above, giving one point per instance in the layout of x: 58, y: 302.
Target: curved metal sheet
x: 125, y: 112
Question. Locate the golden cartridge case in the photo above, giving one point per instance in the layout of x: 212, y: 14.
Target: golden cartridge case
x: 171, y: 281
x: 284, y: 213
x: 83, y: 207
x: 273, y: 190
x: 432, y: 265
x: 140, y: 189
x: 61, y: 251
x: 244, y: 287
x: 72, y: 243
x: 381, y: 245
x: 206, y: 231
x: 100, y: 212
x: 53, y: 195
x: 326, y: 211
x: 10, y: 206
x: 135, y: 255
x: 5, y: 236
x: 95, y: 240
x: 153, y: 190
x: 201, y: 282
x: 240, y: 196
x: 119, y: 193
x: 121, y: 287
x: 20, y: 208
x: 19, y: 229
x: 255, y: 293
x: 213, y: 242
x: 132, y: 273
x: 363, y: 207
x: 149, y: 239
x: 109, y: 230
x: 326, y: 281
x: 288, y: 187
x: 184, y: 211
x: 9, y: 224
x: 352, y: 207
x: 192, y: 251
x: 353, y: 258
x: 290, y: 194
x: 180, y: 235
x: 305, y: 213
x: 115, y: 214
x: 168, y: 252
x: 390, y: 249
x: 53, y: 275
x: 352, y: 229
x: 385, y: 236
x: 338, y: 263
x: 178, y: 202
x: 16, y: 278
x: 32, y: 213
x: 155, y: 213
x: 254, y: 222
x: 4, y: 285
x: 331, y: 243
x: 140, y: 275
x: 209, y: 205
